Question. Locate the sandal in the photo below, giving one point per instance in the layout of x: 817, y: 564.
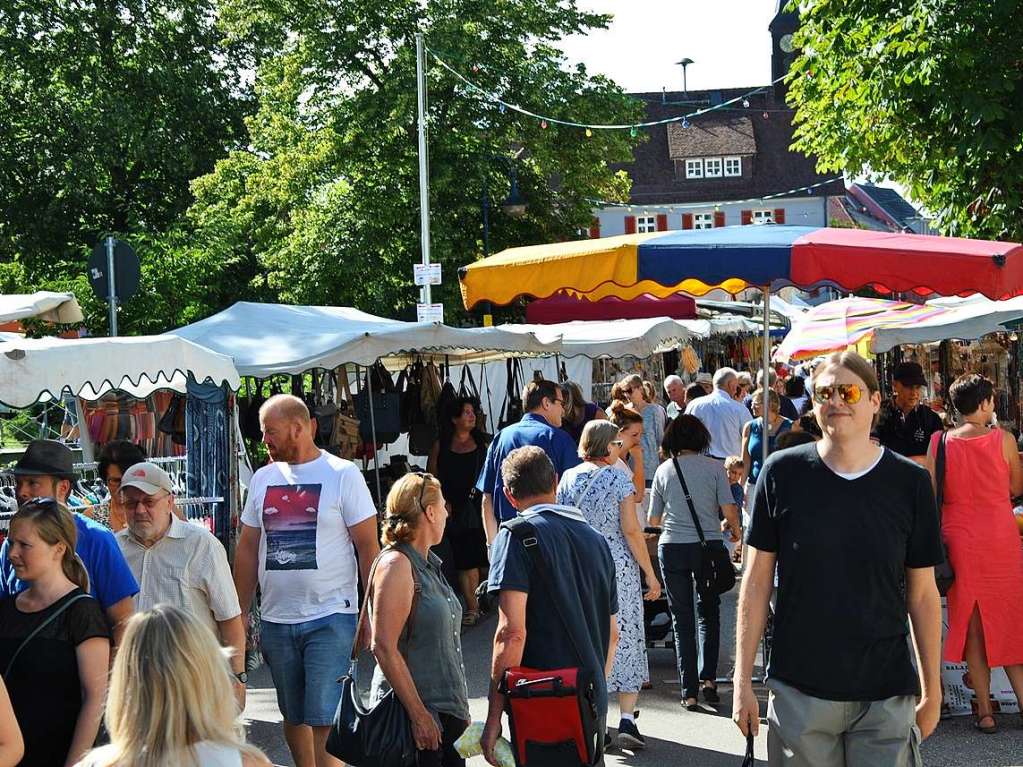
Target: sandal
x: 471, y: 618
x: 710, y: 693
x: 990, y: 729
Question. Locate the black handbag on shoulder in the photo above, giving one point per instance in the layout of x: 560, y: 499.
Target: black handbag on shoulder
x: 716, y: 574
x: 380, y: 736
x: 944, y: 575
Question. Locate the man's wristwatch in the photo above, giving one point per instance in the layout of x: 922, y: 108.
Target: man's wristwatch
x: 242, y: 677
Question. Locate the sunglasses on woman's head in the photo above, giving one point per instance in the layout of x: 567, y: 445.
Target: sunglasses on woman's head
x: 617, y: 442
x: 42, y: 503
x: 850, y: 393
x: 426, y: 477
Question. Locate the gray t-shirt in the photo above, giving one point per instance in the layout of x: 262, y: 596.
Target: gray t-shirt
x: 708, y: 486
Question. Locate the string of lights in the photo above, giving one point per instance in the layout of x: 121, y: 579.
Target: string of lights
x: 633, y: 128
x: 672, y: 208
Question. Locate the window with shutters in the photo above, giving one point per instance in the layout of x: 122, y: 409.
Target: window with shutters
x: 763, y: 217
x: 646, y: 224
x: 703, y: 221
x: 694, y: 168
x: 733, y: 166
x: 712, y: 167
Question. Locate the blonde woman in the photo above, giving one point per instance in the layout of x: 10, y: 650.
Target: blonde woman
x: 423, y: 668
x: 171, y: 700
x: 654, y: 420
x: 54, y: 640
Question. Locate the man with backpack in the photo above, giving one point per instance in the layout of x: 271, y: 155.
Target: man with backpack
x: 564, y: 625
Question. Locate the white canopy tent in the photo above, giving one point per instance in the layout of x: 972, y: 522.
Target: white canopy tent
x: 53, y: 307
x: 270, y: 339
x: 34, y: 369
x: 968, y: 319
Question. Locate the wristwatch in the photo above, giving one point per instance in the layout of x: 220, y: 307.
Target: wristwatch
x: 242, y: 677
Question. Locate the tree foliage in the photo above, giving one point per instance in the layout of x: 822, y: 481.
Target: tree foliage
x: 110, y: 109
x: 322, y: 205
x: 927, y: 92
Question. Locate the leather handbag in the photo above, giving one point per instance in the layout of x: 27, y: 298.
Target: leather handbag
x: 716, y: 574
x: 944, y: 575
x: 379, y: 736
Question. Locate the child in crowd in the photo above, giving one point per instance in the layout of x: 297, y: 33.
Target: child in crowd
x: 734, y: 468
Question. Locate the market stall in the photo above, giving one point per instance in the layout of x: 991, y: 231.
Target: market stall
x: 45, y: 305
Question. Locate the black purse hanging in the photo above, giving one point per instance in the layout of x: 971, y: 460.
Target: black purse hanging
x: 944, y: 575
x: 716, y: 572
x: 380, y: 736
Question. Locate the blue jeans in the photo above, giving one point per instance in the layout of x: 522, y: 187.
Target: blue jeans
x: 679, y: 562
x: 306, y: 661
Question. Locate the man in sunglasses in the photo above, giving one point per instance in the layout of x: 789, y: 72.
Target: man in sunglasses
x: 905, y: 424
x: 853, y: 532
x: 46, y: 470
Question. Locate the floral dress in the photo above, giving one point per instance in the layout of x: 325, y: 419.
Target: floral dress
x: 599, y: 497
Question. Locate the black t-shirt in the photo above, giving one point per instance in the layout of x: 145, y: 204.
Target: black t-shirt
x: 43, y: 683
x: 909, y: 434
x: 843, y: 547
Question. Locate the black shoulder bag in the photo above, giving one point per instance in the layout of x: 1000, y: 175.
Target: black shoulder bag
x: 716, y: 574
x: 944, y: 575
x: 552, y: 712
x: 380, y: 736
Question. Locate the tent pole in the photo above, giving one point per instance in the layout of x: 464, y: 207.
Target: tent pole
x: 767, y: 366
x: 373, y: 428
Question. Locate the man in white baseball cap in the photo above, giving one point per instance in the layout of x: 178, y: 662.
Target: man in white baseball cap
x: 178, y: 563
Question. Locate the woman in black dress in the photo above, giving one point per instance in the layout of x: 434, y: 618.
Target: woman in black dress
x: 54, y: 640
x: 456, y: 460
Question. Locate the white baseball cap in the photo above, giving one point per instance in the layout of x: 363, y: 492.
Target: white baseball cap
x: 147, y: 477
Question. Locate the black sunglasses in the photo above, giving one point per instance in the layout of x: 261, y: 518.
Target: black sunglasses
x: 43, y: 503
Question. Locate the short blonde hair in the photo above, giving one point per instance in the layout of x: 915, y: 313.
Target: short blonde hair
x: 404, y: 512
x: 733, y: 462
x: 596, y: 439
x: 773, y: 400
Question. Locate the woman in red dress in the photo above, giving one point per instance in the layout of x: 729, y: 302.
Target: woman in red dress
x: 985, y: 603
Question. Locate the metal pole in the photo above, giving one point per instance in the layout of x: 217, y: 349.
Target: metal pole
x: 486, y: 221
x: 424, y: 172
x: 111, y: 286
x: 764, y: 413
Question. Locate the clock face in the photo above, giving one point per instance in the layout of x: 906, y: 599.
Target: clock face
x: 786, y: 43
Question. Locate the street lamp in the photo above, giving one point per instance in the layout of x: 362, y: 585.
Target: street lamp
x: 684, y: 63
x: 514, y: 205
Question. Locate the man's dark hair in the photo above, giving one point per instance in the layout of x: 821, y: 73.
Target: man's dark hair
x: 527, y: 472
x: 795, y: 386
x: 793, y: 438
x: 120, y: 453
x: 686, y: 432
x: 694, y: 391
x: 969, y: 392
x: 535, y: 391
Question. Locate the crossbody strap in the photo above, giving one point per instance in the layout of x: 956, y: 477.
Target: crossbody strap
x: 689, y: 500
x: 57, y: 613
x: 525, y: 533
x: 597, y: 473
x: 417, y: 587
x: 939, y: 475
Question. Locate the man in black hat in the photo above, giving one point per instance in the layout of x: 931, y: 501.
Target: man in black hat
x: 47, y: 470
x: 905, y: 424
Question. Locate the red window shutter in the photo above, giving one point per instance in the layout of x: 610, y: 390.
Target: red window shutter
x: 662, y: 222
x: 630, y: 224
x: 687, y: 220
x: 719, y: 218
x: 595, y: 229
x: 746, y: 217
x: 779, y: 215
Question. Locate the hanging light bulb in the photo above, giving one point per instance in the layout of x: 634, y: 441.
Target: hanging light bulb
x: 633, y: 132
x: 685, y: 122
x: 745, y: 103
x: 543, y: 123
x: 589, y: 133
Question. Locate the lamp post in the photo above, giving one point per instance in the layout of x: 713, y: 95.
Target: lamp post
x: 514, y: 205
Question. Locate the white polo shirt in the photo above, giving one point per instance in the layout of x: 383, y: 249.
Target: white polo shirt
x: 724, y: 419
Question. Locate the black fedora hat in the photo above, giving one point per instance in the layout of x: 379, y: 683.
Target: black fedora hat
x: 46, y: 457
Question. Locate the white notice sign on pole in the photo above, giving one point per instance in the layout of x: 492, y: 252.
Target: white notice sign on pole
x: 426, y: 274
x: 430, y: 312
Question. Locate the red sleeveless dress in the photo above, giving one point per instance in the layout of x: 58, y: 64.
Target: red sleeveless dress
x: 984, y: 547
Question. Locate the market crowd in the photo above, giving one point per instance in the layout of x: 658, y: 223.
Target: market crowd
x: 125, y: 645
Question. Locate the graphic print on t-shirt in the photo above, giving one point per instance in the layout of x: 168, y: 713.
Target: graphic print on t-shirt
x: 289, y: 520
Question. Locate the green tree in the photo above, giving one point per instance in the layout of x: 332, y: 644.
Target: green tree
x: 322, y: 204
x: 926, y: 92
x: 110, y: 109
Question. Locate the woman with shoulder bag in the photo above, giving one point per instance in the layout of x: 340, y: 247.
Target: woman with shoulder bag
x: 416, y: 620
x: 982, y: 474
x: 456, y: 460
x: 680, y: 550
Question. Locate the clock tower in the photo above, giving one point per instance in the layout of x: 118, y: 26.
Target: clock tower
x: 782, y: 27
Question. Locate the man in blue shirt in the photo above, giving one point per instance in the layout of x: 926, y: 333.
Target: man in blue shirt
x: 544, y: 406
x: 46, y: 470
x: 532, y: 621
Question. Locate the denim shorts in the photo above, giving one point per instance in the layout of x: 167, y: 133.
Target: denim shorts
x: 306, y: 660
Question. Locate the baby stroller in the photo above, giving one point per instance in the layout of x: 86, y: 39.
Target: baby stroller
x: 656, y: 616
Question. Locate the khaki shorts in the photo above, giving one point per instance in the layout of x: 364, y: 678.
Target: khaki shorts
x: 811, y: 732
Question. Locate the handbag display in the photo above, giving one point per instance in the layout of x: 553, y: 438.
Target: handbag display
x: 379, y: 736
x: 385, y: 420
x: 511, y: 411
x: 716, y: 574
x: 552, y: 713
x: 944, y: 575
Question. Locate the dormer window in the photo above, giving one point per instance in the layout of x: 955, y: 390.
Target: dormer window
x: 694, y: 168
x: 712, y: 167
x: 733, y: 166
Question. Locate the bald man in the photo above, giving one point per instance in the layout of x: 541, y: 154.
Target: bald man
x: 307, y: 514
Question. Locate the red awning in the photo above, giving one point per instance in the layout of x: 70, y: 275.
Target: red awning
x: 562, y: 307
